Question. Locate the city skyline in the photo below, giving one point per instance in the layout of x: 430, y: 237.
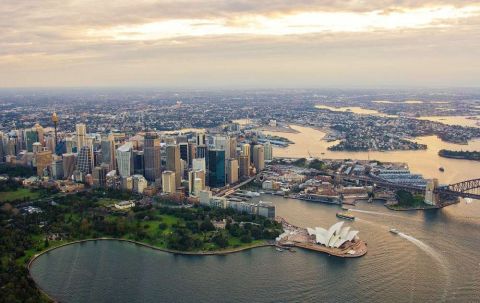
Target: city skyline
x: 238, y: 44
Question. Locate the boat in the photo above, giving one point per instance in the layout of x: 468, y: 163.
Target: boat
x: 394, y: 231
x: 292, y: 250
x: 441, y: 169
x: 345, y: 208
x: 279, y: 249
x: 345, y: 216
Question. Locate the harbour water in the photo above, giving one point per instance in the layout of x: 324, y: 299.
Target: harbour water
x: 308, y: 141
x: 435, y: 258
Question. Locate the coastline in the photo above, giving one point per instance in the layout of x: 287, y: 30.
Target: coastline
x: 177, y: 252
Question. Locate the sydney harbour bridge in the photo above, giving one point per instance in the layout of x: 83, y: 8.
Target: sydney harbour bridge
x: 464, y: 189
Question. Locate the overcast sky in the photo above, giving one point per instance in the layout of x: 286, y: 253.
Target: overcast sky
x: 235, y: 44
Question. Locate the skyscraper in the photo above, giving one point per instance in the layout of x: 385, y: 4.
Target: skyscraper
x: 100, y: 175
x: 138, y: 162
x: 196, y: 181
x: 43, y: 159
x: 232, y: 171
x: 173, y: 163
x: 108, y: 151
x: 84, y: 160
x: 168, y: 182
x: 152, y: 161
x: 258, y: 157
x: 268, y: 151
x: 199, y: 164
x: 216, y: 168
x: 55, y: 123
x: 233, y: 148
x: 81, y: 132
x: 57, y: 169
x: 184, y: 152
x: 244, y: 166
x: 31, y: 137
x: 201, y: 139
x: 246, y: 150
x: 68, y: 165
x: 124, y: 156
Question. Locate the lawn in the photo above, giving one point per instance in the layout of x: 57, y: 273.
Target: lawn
x: 19, y: 194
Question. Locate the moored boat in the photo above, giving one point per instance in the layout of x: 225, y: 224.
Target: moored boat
x: 345, y: 216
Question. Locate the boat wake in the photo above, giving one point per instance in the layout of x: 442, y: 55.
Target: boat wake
x: 435, y: 255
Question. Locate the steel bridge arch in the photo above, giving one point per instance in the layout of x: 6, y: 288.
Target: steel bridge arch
x: 465, y: 186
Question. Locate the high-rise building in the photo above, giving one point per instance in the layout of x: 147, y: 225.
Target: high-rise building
x: 216, y: 168
x: 84, y: 160
x: 168, y: 182
x: 222, y: 143
x: 246, y: 150
x: 68, y: 165
x: 196, y: 181
x: 40, y: 132
x: 139, y: 183
x: 50, y: 143
x: 151, y: 154
x: 199, y: 164
x: 70, y: 145
x: 192, y: 151
x: 258, y: 157
x: 201, y: 139
x: 233, y: 147
x: 100, y: 175
x: 232, y: 171
x: 138, y: 162
x: 43, y: 159
x: 184, y: 152
x: 81, y: 132
x: 57, y: 169
x: 31, y: 136
x: 268, y: 150
x: 173, y: 163
x: 55, y: 123
x: 107, y: 144
x: 244, y: 166
x: 201, y: 151
x: 124, y: 156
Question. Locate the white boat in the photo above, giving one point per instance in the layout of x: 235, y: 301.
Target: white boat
x: 279, y: 249
x: 394, y: 231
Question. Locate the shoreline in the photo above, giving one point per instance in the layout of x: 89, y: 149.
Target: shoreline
x: 166, y: 250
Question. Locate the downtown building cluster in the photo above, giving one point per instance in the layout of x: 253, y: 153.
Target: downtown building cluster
x: 145, y: 162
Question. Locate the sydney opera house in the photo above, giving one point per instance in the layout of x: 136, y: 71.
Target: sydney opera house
x: 334, y: 237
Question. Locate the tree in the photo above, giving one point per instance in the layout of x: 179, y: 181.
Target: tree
x: 246, y: 238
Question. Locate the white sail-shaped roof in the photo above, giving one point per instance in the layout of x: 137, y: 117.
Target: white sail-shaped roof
x: 335, y: 236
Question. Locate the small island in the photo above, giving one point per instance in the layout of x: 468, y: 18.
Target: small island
x: 465, y: 155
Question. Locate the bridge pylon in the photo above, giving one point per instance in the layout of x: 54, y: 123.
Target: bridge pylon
x: 431, y: 197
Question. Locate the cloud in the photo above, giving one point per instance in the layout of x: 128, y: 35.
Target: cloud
x: 53, y: 42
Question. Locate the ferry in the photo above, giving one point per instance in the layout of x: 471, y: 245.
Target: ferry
x: 345, y: 216
x: 394, y: 231
x: 319, y: 198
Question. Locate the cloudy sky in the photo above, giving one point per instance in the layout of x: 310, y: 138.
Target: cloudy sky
x: 240, y: 43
